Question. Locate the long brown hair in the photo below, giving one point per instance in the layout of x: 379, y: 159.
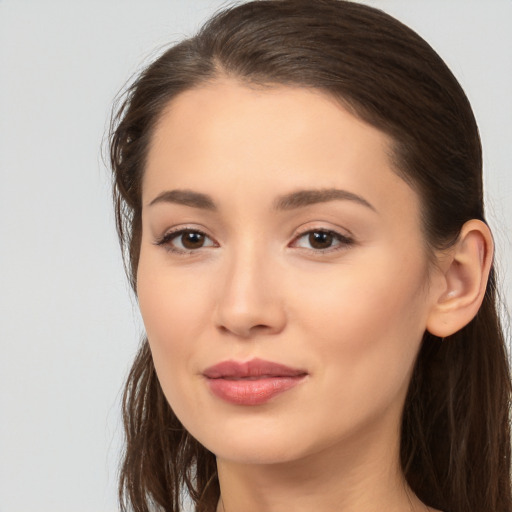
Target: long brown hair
x: 455, y: 439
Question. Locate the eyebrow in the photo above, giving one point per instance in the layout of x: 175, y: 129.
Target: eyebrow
x: 291, y: 201
x: 303, y: 198
x: 186, y: 198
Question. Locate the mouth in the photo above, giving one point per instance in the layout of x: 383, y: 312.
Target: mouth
x: 253, y: 382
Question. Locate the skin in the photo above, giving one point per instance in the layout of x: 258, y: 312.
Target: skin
x: 352, y: 315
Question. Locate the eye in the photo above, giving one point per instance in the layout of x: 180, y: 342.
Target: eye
x: 185, y: 240
x: 322, y: 240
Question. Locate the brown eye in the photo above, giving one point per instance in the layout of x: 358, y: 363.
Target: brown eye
x: 320, y: 239
x: 192, y: 239
x: 185, y: 241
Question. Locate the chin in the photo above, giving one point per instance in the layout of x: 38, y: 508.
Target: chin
x: 255, y: 442
x: 258, y: 452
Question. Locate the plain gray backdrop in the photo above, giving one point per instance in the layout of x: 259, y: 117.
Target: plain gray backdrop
x: 69, y: 328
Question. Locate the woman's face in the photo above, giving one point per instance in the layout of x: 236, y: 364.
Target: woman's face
x: 275, y: 230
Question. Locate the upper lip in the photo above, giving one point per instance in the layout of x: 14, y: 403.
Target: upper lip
x: 252, y: 368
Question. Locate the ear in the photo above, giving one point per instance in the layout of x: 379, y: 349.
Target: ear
x: 464, y: 271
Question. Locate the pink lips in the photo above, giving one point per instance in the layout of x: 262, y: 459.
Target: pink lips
x: 253, y: 382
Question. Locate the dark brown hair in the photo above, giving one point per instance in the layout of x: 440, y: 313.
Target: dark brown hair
x: 455, y: 439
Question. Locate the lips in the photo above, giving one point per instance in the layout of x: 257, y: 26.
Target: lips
x: 253, y: 382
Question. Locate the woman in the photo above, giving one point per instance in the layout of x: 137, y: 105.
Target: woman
x: 298, y: 188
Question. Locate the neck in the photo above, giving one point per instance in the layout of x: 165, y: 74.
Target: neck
x: 362, y: 475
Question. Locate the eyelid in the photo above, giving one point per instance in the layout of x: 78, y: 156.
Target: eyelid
x: 173, y: 233
x: 344, y: 240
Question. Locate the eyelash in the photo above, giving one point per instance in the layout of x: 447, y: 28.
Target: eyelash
x: 343, y: 241
x: 166, y: 240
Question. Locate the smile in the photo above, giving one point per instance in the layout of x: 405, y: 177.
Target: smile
x: 253, y: 382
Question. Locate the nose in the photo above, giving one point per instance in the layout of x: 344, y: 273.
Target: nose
x: 250, y: 300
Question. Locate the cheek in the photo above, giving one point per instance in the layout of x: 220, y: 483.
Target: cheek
x: 381, y: 296
x: 366, y: 327
x: 174, y: 309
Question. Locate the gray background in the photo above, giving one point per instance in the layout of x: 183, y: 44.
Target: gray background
x: 69, y: 328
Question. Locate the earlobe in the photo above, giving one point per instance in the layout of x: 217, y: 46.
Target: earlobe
x: 464, y: 276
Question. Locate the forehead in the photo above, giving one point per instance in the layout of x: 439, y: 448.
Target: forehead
x: 257, y: 114
x: 268, y: 139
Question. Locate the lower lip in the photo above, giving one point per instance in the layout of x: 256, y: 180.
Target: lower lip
x: 252, y: 392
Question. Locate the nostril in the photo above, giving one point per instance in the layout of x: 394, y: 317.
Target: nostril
x: 244, y: 331
x: 260, y: 327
